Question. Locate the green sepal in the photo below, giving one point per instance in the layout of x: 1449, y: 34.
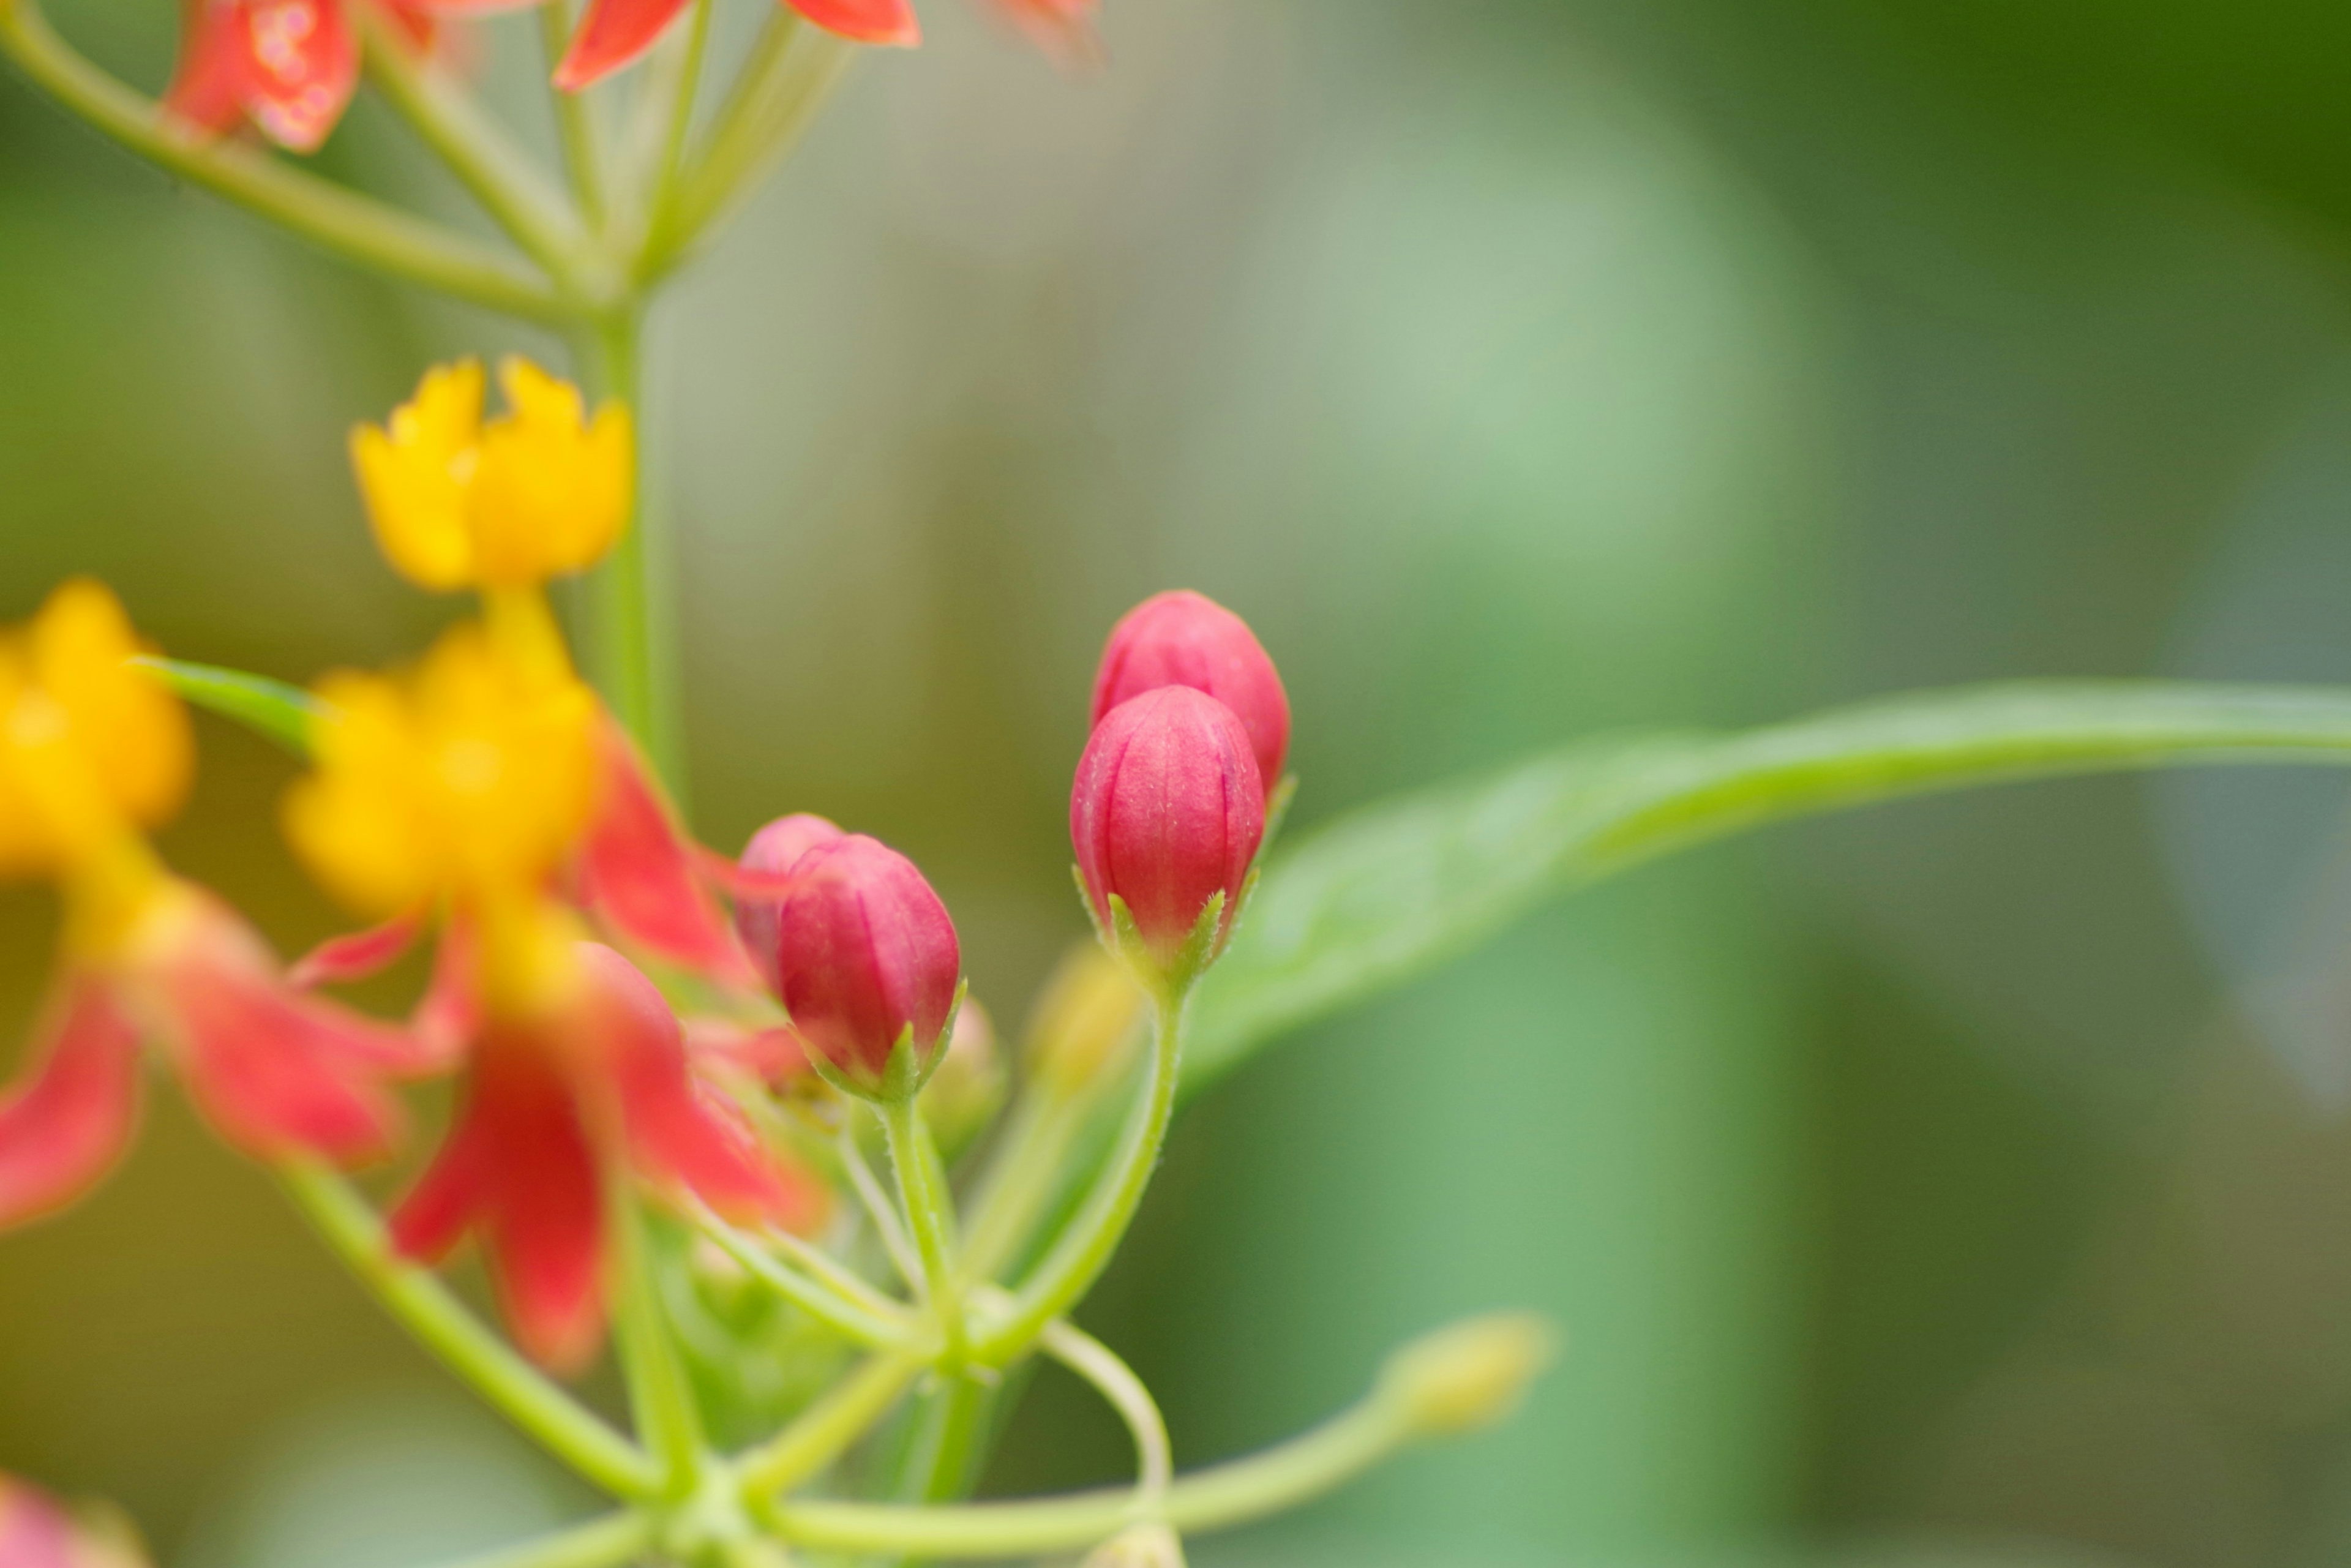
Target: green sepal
x: 908, y: 1070
x: 283, y: 713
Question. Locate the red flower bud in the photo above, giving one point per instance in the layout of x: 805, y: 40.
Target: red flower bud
x: 865, y: 959
x: 1167, y: 811
x: 770, y: 855
x: 1183, y: 639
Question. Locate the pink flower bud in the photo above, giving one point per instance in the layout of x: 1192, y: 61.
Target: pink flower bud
x: 1167, y: 812
x: 866, y: 958
x: 1184, y: 638
x: 772, y: 853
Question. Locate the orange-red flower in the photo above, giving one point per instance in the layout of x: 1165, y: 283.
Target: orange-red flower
x: 288, y: 67
x: 92, y: 749
x: 37, y: 1533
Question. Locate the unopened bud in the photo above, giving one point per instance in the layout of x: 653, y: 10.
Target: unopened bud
x: 1468, y: 1374
x: 1167, y: 815
x: 772, y: 853
x: 966, y: 1088
x: 1138, y: 1546
x: 1186, y: 639
x: 866, y: 967
x: 1082, y: 1019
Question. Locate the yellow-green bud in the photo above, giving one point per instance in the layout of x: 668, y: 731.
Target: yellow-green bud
x: 1470, y: 1374
x: 1082, y: 1022
x: 966, y: 1088
x: 1138, y: 1546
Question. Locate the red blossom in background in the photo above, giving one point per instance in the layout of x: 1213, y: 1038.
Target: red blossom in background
x: 1186, y: 639
x: 549, y: 1103
x: 1167, y: 811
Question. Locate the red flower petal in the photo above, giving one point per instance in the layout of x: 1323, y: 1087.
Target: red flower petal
x: 449, y: 1014
x: 35, y: 1532
x: 889, y: 23
x: 771, y: 1056
x: 519, y: 1164
x: 612, y: 34
x: 1064, y: 30
x: 640, y: 873
x: 209, y: 83
x: 67, y: 1122
x: 277, y: 1071
x: 357, y: 955
x: 305, y: 64
x: 677, y: 1132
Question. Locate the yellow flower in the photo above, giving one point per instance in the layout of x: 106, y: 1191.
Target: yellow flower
x: 93, y: 747
x: 471, y: 777
x: 458, y: 502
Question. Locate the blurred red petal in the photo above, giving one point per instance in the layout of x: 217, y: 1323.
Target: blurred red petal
x: 305, y: 64
x: 449, y: 1015
x: 69, y: 1116
x: 888, y: 23
x: 640, y: 873
x: 518, y: 1163
x: 357, y: 955
x: 35, y: 1532
x: 277, y: 1072
x: 772, y: 1055
x: 209, y: 83
x: 612, y: 34
x: 1065, y: 31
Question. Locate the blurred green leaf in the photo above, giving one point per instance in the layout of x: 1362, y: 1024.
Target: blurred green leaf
x: 284, y: 713
x: 1389, y: 891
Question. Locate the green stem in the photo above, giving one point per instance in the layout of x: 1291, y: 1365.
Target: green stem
x: 559, y: 1422
x: 671, y: 161
x: 871, y: 1322
x: 826, y: 1428
x: 792, y: 69
x: 660, y: 1397
x: 1225, y: 1495
x: 876, y: 1203
x: 1084, y: 1249
x: 1116, y: 1382
x: 633, y: 635
x: 1022, y: 1179
x: 575, y: 120
x: 358, y: 228
x: 485, y: 161
x: 930, y: 1213
x: 600, y: 1543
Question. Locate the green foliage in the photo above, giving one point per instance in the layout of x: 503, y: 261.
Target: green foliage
x: 284, y: 713
x: 1393, y: 889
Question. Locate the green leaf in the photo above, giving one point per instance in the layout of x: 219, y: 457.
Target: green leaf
x: 1388, y: 892
x: 283, y: 713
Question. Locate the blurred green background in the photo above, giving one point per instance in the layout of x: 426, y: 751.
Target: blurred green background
x: 1965, y: 1182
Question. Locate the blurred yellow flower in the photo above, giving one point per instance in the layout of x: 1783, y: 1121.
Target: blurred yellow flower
x: 471, y: 777
x: 460, y: 502
x: 91, y: 745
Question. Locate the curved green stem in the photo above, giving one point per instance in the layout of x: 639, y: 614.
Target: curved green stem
x: 1084, y: 1249
x: 670, y: 162
x: 575, y: 120
x: 829, y: 1426
x: 600, y: 1543
x: 669, y: 1423
x: 358, y: 228
x: 930, y: 1214
x: 1127, y: 1394
x: 484, y: 159
x: 874, y: 1320
x: 1215, y: 1498
x: 876, y: 1204
x: 557, y: 1421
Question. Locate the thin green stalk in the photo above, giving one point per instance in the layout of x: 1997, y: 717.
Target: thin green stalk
x: 1219, y: 1497
x: 930, y: 1213
x: 358, y: 228
x: 1084, y: 1249
x: 616, y: 1538
x: 485, y: 161
x: 575, y: 119
x: 824, y: 1431
x: 671, y: 161
x: 668, y: 1421
x: 876, y: 1204
x: 857, y: 1321
x: 791, y: 72
x: 633, y: 633
x: 1022, y: 1178
x: 1127, y: 1394
x: 559, y: 1422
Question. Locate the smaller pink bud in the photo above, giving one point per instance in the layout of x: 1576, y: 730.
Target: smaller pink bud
x: 770, y: 855
x: 1167, y: 812
x: 866, y: 962
x: 1186, y: 639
